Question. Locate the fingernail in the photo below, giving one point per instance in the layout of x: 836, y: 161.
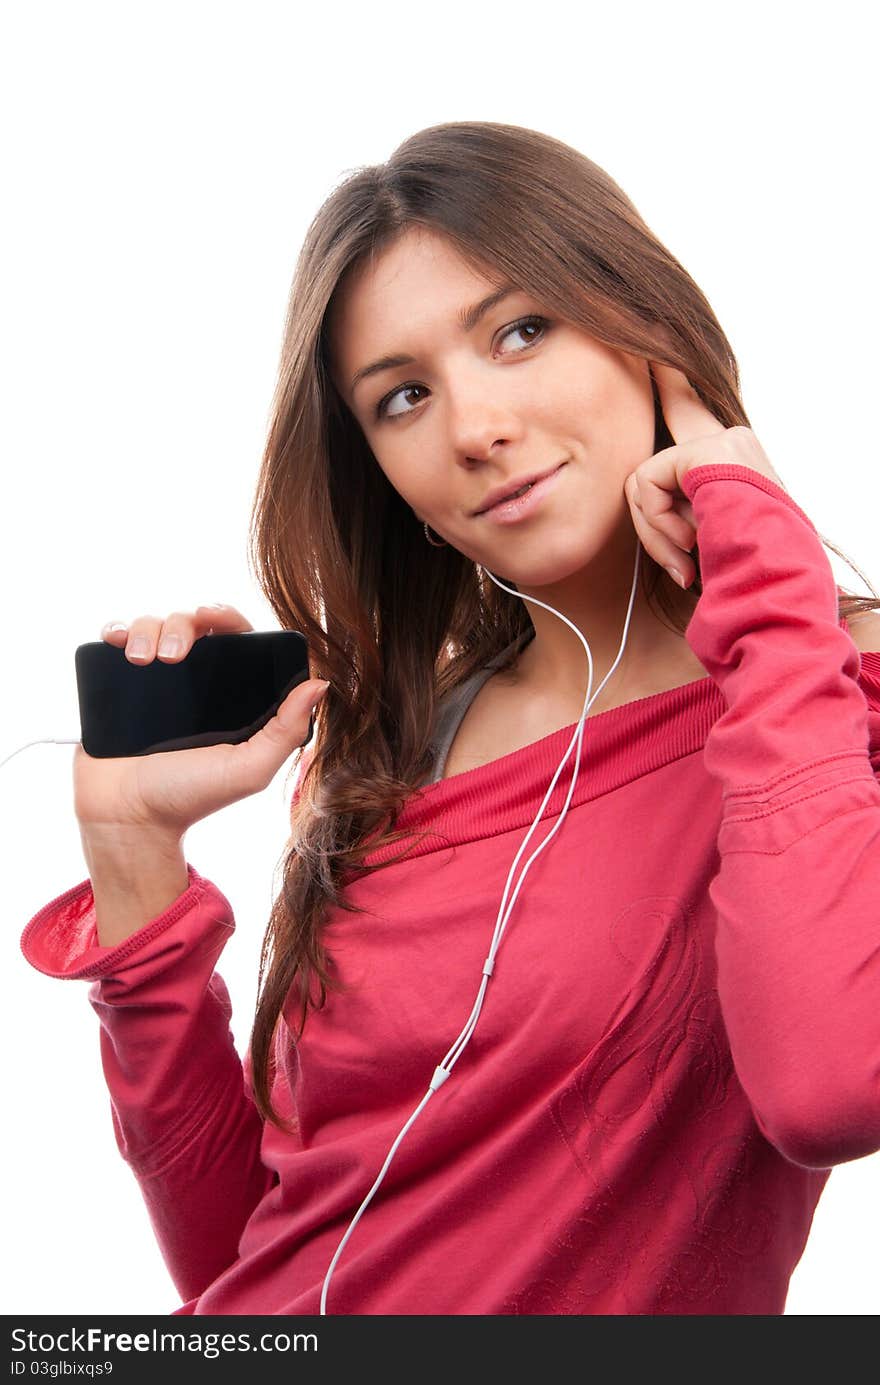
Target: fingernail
x: 116, y: 625
x: 170, y: 646
x: 674, y: 572
x: 139, y: 647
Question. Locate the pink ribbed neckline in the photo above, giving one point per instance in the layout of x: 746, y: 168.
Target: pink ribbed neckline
x: 618, y: 746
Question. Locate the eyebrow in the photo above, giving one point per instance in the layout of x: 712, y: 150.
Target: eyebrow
x: 467, y: 320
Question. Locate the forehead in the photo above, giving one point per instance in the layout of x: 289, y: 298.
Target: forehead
x: 418, y: 276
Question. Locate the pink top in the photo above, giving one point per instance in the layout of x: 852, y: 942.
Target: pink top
x: 680, y: 1038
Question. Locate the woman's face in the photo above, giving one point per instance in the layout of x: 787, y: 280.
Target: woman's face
x: 478, y: 409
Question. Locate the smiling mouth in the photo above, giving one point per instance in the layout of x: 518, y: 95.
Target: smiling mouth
x: 513, y: 494
x: 522, y: 490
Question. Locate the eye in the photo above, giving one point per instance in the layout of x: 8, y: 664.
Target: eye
x: 540, y: 323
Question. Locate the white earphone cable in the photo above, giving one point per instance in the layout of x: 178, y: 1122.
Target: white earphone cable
x: 45, y: 740
x: 443, y: 1070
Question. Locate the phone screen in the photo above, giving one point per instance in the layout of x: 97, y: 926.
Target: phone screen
x: 226, y: 689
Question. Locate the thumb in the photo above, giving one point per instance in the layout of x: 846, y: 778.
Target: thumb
x: 300, y: 702
x: 287, y: 731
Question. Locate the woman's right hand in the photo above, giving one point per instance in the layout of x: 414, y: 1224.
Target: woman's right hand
x: 164, y: 793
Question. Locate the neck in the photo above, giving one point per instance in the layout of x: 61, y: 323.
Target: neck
x: 554, y: 662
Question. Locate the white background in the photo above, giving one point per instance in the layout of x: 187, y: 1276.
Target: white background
x: 161, y: 163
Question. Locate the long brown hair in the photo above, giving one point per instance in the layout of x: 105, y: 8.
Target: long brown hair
x: 392, y: 622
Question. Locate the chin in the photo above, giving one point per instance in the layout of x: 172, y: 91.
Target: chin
x: 544, y: 577
x: 544, y: 560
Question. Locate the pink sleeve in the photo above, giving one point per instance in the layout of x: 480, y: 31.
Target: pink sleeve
x: 797, y: 888
x: 181, y: 1112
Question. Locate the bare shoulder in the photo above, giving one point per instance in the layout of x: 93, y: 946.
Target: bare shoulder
x: 864, y: 631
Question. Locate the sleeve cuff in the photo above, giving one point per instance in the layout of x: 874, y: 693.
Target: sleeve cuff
x: 62, y: 941
x: 731, y: 471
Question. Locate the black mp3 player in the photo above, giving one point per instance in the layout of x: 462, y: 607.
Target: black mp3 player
x: 226, y: 689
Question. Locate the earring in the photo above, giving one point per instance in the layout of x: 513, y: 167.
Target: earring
x: 431, y: 541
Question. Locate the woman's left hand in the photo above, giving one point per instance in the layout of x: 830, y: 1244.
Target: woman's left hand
x: 662, y: 514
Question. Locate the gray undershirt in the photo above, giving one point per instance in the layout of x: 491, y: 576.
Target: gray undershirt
x: 453, y: 706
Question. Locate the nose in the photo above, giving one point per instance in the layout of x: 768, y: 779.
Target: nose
x: 479, y: 418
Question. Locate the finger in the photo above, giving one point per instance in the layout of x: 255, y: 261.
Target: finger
x: 660, y: 511
x: 140, y: 643
x: 172, y: 639
x: 220, y: 617
x: 661, y: 505
x: 181, y: 629
x: 218, y: 620
x: 685, y: 413
x: 662, y: 549
x: 288, y: 730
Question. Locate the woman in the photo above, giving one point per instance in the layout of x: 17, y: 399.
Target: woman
x: 673, y: 1030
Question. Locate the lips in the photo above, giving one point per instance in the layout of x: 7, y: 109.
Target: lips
x: 501, y: 493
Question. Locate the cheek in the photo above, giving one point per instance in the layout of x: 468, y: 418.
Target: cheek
x: 584, y: 405
x: 412, y: 484
x: 390, y: 464
x: 612, y: 414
